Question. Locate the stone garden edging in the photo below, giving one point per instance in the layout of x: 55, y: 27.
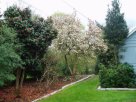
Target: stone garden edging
x: 50, y: 94
x: 118, y: 89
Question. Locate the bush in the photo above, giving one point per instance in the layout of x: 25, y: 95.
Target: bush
x: 119, y: 76
x: 85, y: 64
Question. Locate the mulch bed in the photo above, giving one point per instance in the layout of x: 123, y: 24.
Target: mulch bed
x: 30, y: 91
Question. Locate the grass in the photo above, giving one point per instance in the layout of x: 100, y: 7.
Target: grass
x: 86, y: 92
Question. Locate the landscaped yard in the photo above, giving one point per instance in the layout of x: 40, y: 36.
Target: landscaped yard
x: 87, y: 92
x: 41, y: 53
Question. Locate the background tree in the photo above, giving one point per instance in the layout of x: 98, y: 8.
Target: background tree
x: 38, y: 44
x: 69, y: 35
x: 73, y: 40
x: 34, y: 36
x: 94, y: 40
x: 115, y: 30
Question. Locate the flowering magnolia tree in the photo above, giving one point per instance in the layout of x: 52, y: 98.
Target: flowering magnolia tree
x: 73, y: 39
x: 70, y: 30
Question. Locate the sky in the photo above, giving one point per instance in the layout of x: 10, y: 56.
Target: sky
x: 92, y: 9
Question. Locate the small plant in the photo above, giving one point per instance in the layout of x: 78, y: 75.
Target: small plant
x: 120, y: 76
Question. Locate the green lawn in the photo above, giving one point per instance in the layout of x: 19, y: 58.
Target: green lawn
x: 86, y: 92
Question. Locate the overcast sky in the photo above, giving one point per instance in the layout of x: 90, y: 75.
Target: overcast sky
x: 93, y: 9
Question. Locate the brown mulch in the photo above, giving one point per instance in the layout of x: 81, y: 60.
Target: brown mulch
x: 30, y: 91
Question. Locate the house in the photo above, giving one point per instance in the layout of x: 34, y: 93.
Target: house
x: 127, y: 52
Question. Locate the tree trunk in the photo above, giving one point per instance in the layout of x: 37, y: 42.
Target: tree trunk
x: 22, y: 78
x: 18, y: 75
x: 67, y: 66
x: 19, y: 80
x: 75, y: 65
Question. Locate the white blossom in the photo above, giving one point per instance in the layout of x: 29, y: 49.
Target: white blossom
x: 72, y: 38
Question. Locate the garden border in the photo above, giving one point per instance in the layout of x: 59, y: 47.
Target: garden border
x: 50, y: 94
x: 116, y: 89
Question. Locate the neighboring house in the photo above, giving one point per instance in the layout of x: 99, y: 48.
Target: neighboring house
x: 128, y: 51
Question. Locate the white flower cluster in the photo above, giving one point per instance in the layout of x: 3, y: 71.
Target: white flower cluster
x: 72, y: 38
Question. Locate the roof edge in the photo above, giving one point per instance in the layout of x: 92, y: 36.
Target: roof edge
x: 132, y: 31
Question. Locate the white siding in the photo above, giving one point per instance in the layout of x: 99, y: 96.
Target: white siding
x: 128, y: 51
